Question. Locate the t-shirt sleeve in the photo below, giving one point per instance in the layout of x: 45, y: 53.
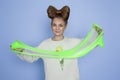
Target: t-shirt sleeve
x: 28, y: 58
x: 32, y: 58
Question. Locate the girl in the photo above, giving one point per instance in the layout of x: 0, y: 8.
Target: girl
x: 58, y: 69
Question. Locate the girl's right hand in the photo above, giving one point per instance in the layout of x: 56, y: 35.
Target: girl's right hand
x: 17, y: 49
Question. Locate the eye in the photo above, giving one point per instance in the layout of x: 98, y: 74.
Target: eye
x: 61, y: 25
x: 53, y: 25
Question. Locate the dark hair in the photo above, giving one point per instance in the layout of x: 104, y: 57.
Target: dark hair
x: 62, y: 13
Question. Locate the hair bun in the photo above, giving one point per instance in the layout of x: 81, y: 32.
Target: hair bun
x: 63, y: 12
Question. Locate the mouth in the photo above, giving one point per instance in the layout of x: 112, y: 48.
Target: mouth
x: 57, y: 31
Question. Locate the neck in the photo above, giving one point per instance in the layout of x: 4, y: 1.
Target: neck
x: 58, y: 38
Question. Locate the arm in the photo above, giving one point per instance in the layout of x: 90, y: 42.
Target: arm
x: 26, y: 57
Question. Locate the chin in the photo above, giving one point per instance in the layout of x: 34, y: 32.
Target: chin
x: 58, y: 34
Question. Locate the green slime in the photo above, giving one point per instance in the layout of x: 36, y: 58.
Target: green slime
x: 82, y: 49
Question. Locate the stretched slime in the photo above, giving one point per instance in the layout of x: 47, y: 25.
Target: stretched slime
x: 93, y: 39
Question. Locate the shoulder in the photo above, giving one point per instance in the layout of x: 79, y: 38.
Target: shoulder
x: 72, y: 42
x: 44, y: 42
x: 75, y: 39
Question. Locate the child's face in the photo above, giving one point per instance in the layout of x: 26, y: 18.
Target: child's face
x: 58, y: 26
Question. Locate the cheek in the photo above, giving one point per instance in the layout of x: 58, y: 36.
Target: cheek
x: 62, y: 28
x: 53, y: 28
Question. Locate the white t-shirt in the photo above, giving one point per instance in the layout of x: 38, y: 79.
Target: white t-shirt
x: 53, y: 69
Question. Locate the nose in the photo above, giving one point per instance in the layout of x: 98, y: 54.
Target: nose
x: 57, y: 27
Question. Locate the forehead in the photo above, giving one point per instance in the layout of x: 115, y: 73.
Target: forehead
x: 58, y: 21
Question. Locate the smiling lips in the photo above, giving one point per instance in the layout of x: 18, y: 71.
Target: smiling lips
x: 57, y: 31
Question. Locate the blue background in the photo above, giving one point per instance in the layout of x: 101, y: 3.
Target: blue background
x: 27, y: 21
